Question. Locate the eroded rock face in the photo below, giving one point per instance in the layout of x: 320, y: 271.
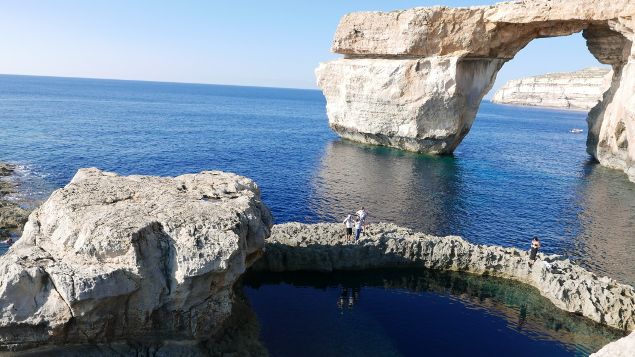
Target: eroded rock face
x: 108, y: 257
x: 321, y: 247
x: 579, y: 90
x: 413, y: 79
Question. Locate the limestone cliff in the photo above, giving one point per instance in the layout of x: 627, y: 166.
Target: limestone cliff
x: 110, y: 257
x: 580, y: 90
x: 413, y: 79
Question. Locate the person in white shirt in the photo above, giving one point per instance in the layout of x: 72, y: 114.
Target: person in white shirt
x: 362, y: 214
x: 348, y: 222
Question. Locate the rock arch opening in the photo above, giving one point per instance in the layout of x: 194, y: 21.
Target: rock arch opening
x: 414, y: 79
x: 555, y: 72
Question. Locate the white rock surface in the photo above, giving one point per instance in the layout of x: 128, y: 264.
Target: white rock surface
x: 579, y: 90
x: 109, y: 256
x: 422, y: 105
x: 413, y: 79
x: 624, y: 347
x: 321, y: 247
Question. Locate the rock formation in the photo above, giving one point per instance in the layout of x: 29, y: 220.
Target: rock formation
x: 108, y: 257
x: 12, y: 216
x: 414, y: 79
x: 624, y: 347
x: 580, y: 90
x: 320, y: 247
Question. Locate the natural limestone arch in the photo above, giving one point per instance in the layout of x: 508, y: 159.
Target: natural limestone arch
x: 414, y: 79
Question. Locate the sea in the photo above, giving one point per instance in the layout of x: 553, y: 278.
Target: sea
x: 519, y: 173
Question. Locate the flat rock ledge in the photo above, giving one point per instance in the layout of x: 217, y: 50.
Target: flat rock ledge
x: 110, y: 257
x: 321, y: 247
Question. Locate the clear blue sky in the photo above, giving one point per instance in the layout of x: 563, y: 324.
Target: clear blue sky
x: 263, y: 43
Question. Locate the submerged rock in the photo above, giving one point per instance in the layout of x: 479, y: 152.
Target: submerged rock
x: 581, y: 90
x: 321, y: 247
x: 12, y: 216
x: 413, y: 79
x: 110, y: 257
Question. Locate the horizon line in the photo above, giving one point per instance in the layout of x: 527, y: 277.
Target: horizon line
x: 159, y: 81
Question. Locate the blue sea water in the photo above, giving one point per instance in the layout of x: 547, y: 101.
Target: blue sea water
x: 519, y: 172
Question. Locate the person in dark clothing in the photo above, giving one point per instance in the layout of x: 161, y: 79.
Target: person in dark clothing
x: 535, y: 245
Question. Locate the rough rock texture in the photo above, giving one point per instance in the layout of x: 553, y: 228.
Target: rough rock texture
x: 624, y: 347
x: 12, y: 216
x: 580, y: 90
x: 109, y: 257
x: 413, y: 79
x: 321, y: 247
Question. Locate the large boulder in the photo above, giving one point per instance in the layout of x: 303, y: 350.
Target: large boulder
x: 413, y: 79
x: 321, y: 247
x: 108, y: 257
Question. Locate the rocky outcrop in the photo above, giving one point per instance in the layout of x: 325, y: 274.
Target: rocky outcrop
x: 413, y: 79
x: 108, y: 257
x: 12, y: 216
x: 580, y: 90
x: 320, y: 247
x: 624, y: 347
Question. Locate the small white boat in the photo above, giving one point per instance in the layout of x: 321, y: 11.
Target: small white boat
x: 576, y: 131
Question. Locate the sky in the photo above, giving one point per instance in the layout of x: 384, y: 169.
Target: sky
x: 275, y: 43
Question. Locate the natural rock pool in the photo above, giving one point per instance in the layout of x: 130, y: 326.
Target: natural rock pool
x: 413, y: 312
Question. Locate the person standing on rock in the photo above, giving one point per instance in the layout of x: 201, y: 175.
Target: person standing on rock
x: 348, y: 222
x: 358, y: 228
x: 535, y: 245
x: 362, y: 214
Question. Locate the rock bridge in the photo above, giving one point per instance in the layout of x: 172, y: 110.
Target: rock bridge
x: 414, y: 79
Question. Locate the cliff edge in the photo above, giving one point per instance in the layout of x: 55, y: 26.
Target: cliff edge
x: 579, y: 90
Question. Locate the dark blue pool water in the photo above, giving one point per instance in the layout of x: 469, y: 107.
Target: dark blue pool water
x: 518, y: 173
x: 413, y: 313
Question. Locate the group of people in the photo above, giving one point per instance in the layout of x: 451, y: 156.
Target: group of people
x: 358, y: 222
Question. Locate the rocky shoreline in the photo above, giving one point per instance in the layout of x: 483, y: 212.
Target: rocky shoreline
x: 320, y: 247
x: 108, y: 259
x: 12, y: 216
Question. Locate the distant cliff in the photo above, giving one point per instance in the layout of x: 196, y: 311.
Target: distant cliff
x: 579, y: 90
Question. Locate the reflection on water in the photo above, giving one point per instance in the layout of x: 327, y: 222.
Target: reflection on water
x: 606, y: 242
x: 413, y: 312
x: 519, y: 173
x: 417, y: 191
x: 348, y: 297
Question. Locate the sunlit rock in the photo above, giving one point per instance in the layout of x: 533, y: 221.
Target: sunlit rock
x: 109, y: 257
x: 580, y: 90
